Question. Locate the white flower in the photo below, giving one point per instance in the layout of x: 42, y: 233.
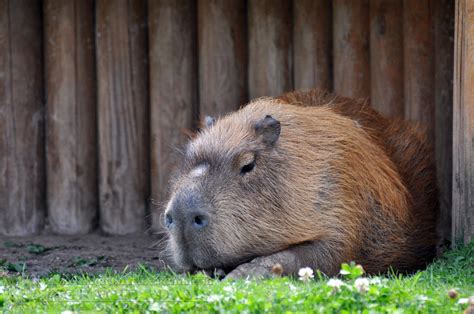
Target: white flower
x: 155, y: 307
x: 362, y: 284
x: 375, y: 281
x: 228, y: 289
x: 2, y: 289
x: 305, y: 273
x: 466, y: 300
x: 42, y: 286
x: 67, y: 312
x: 213, y: 298
x: 344, y: 272
x: 335, y: 283
x: 422, y: 298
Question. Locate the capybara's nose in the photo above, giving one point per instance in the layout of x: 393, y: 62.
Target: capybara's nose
x: 193, y: 220
x: 186, y: 214
x: 197, y: 220
x: 169, y: 221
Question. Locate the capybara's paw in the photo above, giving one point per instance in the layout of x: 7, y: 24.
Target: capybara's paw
x: 259, y: 268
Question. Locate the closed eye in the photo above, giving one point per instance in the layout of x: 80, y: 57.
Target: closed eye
x: 247, y: 168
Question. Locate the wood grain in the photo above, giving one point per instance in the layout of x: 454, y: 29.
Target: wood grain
x: 223, y: 48
x: 351, y: 25
x: 312, y: 44
x: 463, y: 125
x: 173, y: 88
x: 122, y: 114
x: 270, y: 66
x: 71, y: 116
x: 22, y: 156
x: 386, y: 56
x: 444, y: 55
x: 419, y: 62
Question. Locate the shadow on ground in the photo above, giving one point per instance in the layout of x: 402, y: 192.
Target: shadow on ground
x: 92, y: 253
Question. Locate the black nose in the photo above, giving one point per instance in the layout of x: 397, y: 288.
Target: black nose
x: 192, y: 219
x: 186, y: 213
x: 168, y: 220
x: 198, y: 220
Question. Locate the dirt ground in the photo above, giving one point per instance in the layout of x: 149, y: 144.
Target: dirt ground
x: 43, y: 254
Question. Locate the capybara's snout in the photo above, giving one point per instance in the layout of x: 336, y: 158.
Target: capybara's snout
x: 187, y: 214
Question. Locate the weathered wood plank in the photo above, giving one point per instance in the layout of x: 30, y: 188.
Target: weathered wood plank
x: 351, y: 25
x: 270, y: 59
x: 419, y: 62
x: 173, y: 88
x: 386, y: 56
x: 22, y: 157
x: 223, y: 45
x: 444, y: 55
x: 463, y: 125
x: 71, y: 115
x: 122, y: 114
x: 312, y: 44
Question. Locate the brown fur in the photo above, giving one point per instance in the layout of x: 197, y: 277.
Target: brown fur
x: 341, y: 183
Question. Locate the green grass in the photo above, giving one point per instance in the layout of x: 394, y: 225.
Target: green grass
x: 148, y: 291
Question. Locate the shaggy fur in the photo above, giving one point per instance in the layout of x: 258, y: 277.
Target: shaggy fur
x: 338, y: 183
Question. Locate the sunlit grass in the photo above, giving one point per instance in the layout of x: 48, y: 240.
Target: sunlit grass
x: 148, y: 291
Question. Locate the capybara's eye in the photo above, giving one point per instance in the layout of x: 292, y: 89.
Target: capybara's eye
x: 247, y: 168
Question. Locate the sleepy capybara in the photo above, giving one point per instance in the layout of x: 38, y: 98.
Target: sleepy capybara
x: 306, y: 179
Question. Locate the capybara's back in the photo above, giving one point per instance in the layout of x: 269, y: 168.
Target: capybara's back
x: 410, y: 246
x: 307, y: 179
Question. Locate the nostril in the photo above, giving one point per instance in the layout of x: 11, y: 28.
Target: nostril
x: 168, y: 220
x: 200, y: 221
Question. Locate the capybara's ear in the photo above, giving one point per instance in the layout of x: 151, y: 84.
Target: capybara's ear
x: 208, y: 122
x: 269, y: 130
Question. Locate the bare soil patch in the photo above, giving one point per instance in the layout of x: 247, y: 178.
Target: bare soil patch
x: 43, y: 254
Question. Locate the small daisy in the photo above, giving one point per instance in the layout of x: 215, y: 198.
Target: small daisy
x: 305, y: 273
x: 362, y: 284
x: 466, y: 300
x: 155, y: 307
x: 422, y: 298
x: 228, y: 289
x: 336, y: 284
x: 213, y: 298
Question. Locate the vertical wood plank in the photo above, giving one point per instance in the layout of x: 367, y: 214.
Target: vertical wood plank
x: 312, y: 42
x: 351, y: 24
x: 386, y: 56
x: 122, y: 114
x: 419, y: 62
x: 22, y: 156
x: 463, y: 125
x: 71, y: 115
x: 444, y: 55
x: 173, y: 88
x: 223, y: 45
x: 270, y: 66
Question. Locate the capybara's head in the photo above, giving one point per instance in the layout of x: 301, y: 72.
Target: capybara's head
x: 226, y: 197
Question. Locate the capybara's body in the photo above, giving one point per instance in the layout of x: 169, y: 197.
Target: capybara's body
x: 306, y: 179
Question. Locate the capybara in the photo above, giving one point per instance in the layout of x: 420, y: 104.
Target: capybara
x: 307, y: 179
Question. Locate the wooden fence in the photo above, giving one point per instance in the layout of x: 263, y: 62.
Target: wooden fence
x: 95, y: 95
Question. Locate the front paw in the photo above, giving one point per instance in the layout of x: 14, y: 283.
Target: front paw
x: 258, y: 268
